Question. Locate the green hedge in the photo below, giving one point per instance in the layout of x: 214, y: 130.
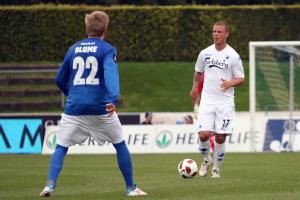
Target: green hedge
x: 150, y: 2
x: 150, y: 33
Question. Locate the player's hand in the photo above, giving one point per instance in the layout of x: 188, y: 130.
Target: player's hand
x: 194, y: 94
x: 110, y: 108
x: 225, y: 85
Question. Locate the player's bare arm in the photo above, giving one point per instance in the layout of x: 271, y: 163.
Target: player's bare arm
x: 226, y: 84
x: 198, y: 99
x: 194, y: 91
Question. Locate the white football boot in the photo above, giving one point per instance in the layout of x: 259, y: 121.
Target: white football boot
x: 215, y: 173
x: 203, y: 171
x: 47, y: 192
x: 135, y: 192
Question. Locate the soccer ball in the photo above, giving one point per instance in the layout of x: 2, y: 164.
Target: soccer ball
x: 187, y: 168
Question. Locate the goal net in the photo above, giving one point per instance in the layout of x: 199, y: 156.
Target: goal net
x: 274, y: 76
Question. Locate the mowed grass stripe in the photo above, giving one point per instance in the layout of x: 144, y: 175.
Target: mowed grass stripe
x: 268, y: 176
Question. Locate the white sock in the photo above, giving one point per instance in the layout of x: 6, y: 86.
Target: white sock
x: 219, y: 154
x: 205, y: 149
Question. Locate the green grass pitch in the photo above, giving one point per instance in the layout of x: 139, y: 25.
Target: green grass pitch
x: 265, y: 176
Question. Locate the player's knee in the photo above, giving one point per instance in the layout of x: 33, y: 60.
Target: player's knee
x: 220, y: 138
x: 204, y: 136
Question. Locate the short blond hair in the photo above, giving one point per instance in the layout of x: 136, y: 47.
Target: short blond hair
x: 223, y: 23
x: 96, y: 23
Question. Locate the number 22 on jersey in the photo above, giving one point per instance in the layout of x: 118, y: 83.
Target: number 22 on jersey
x: 80, y: 65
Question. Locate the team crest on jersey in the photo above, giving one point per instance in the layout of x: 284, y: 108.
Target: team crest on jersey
x: 115, y: 58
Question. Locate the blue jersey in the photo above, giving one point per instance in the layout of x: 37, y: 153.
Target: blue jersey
x: 89, y: 77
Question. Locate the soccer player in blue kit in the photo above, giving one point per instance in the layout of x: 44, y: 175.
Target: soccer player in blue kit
x: 89, y: 77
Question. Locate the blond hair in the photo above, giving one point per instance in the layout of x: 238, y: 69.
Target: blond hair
x: 223, y: 23
x: 96, y: 23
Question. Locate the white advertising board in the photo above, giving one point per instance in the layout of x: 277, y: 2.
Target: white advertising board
x: 139, y: 139
x: 272, y: 134
x: 157, y: 139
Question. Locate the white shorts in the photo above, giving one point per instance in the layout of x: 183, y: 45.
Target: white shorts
x: 216, y: 118
x: 76, y: 129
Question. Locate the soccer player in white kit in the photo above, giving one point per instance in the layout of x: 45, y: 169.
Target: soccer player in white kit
x: 89, y: 77
x: 223, y: 71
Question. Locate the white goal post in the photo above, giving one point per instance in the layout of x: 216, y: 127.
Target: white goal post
x: 274, y: 63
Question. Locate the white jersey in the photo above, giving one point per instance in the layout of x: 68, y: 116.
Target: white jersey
x: 225, y: 64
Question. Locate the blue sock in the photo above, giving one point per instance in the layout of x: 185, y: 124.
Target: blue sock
x: 56, y: 165
x: 124, y: 162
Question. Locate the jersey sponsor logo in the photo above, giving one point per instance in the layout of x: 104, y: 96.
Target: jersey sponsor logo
x: 87, y: 43
x: 208, y: 62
